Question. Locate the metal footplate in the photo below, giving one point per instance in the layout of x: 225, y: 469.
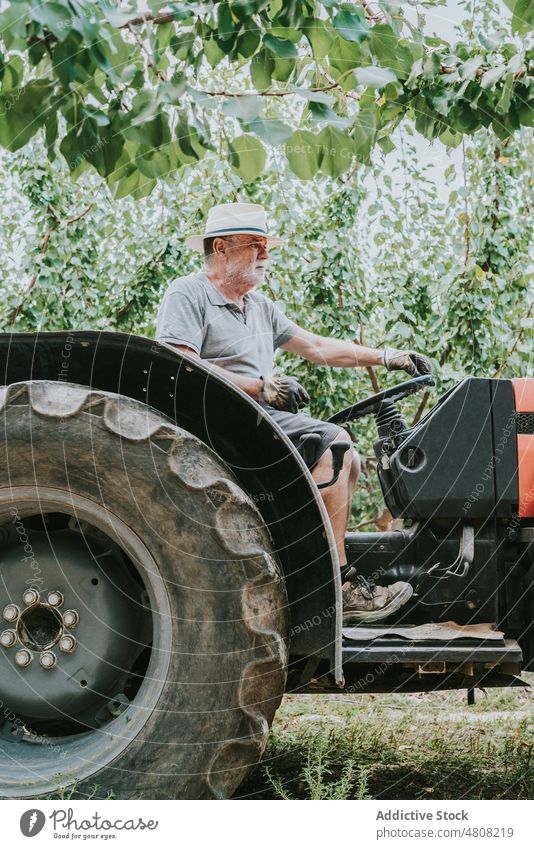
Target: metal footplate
x: 434, y: 648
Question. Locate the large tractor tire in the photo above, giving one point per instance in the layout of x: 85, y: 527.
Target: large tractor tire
x: 143, y: 641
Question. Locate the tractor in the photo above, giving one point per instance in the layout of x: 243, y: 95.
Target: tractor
x: 168, y: 570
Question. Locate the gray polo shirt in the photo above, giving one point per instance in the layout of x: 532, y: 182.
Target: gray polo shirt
x: 196, y: 314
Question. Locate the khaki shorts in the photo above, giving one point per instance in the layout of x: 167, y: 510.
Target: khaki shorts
x: 295, y: 425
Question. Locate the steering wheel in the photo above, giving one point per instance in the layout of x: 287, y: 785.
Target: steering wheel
x: 374, y: 402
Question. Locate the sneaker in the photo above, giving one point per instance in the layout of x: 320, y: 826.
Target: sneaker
x: 364, y: 602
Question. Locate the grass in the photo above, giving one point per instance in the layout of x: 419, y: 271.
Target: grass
x: 71, y: 792
x: 417, y: 746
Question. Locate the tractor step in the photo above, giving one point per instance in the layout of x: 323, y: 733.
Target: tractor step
x: 435, y: 643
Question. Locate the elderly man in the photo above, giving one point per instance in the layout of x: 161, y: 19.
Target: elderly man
x: 218, y: 315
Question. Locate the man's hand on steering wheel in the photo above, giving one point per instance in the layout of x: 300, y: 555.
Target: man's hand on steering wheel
x: 409, y: 361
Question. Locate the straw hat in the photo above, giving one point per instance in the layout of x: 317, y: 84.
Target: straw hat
x: 226, y: 219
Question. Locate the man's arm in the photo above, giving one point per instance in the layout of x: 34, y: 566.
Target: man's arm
x: 327, y: 351
x: 250, y: 385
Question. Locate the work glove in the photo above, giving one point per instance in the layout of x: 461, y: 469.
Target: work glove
x: 410, y: 361
x: 284, y: 393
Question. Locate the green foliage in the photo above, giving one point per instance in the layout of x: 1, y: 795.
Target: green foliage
x: 420, y: 746
x: 319, y: 777
x: 384, y: 257
x: 138, y: 98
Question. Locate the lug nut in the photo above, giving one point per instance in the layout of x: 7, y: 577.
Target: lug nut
x: 55, y: 598
x: 30, y: 596
x: 47, y: 659
x: 67, y: 643
x: 70, y: 618
x: 23, y: 657
x: 7, y: 639
x: 11, y: 612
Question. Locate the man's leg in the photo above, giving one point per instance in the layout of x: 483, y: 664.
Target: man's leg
x: 338, y: 497
x: 363, y: 602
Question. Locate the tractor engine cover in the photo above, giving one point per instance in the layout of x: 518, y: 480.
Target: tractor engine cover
x: 461, y: 459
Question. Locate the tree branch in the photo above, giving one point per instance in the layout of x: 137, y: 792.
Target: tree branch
x: 149, y: 18
x: 377, y: 17
x: 329, y: 87
x: 421, y: 407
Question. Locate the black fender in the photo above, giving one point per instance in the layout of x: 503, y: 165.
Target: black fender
x: 263, y: 459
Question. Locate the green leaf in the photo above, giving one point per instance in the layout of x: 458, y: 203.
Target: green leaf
x: 246, y: 107
x: 22, y: 113
x: 213, y: 52
x: 523, y: 17
x: 261, y: 70
x: 322, y: 112
x: 281, y: 47
x: 185, y: 136
x: 153, y: 133
x: 225, y: 23
x: 386, y: 145
x: 121, y: 188
x: 271, y: 130
x: 365, y: 126
x: 51, y: 134
x: 288, y: 33
x: 247, y: 156
x: 337, y: 151
x: 181, y: 45
x: 375, y: 77
x: 13, y: 22
x: 492, y: 76
x: 383, y: 42
x: 352, y: 26
x: 155, y: 164
x: 504, y: 101
x: 248, y: 42
x: 56, y: 18
x: 316, y: 96
x: 319, y: 37
x: 343, y: 56
x: 450, y: 138
x: 469, y: 69
x: 283, y: 68
x: 13, y: 74
x: 303, y: 151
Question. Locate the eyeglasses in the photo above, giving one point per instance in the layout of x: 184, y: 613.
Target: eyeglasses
x: 255, y: 244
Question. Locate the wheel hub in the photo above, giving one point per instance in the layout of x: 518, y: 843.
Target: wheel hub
x: 39, y: 627
x: 70, y: 640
